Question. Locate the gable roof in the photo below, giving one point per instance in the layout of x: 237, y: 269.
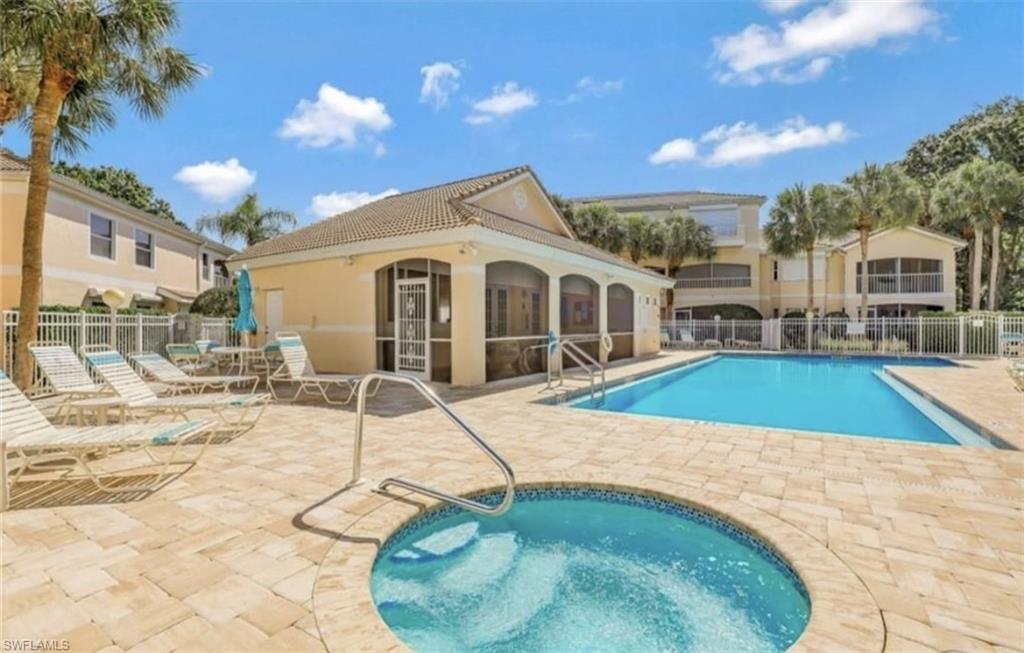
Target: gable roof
x: 10, y: 162
x: 434, y: 208
x: 924, y: 231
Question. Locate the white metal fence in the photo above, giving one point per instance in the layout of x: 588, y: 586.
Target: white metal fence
x: 130, y: 333
x: 968, y: 335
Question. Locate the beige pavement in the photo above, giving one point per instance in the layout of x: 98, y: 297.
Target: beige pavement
x: 256, y: 548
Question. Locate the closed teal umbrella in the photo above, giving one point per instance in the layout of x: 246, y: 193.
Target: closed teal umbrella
x: 246, y: 320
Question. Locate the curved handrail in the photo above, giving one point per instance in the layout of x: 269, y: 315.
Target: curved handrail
x: 575, y: 352
x: 431, y: 396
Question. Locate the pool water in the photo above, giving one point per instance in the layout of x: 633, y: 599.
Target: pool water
x: 813, y: 393
x: 586, y: 570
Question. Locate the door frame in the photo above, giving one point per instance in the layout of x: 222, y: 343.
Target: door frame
x: 425, y: 283
x: 266, y: 311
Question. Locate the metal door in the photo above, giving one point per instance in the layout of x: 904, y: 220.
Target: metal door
x: 412, y: 328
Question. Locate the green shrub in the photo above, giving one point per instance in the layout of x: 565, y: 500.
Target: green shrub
x: 98, y: 310
x: 216, y: 302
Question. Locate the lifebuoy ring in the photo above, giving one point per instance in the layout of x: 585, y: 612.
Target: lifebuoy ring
x: 606, y: 342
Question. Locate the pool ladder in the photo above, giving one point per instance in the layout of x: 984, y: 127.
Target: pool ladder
x: 437, y: 402
x: 592, y: 368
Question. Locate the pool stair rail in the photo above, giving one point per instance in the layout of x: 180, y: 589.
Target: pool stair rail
x: 592, y: 370
x: 413, y: 486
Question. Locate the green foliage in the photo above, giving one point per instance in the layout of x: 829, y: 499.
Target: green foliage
x: 563, y: 205
x: 248, y: 221
x: 644, y: 237
x: 726, y: 312
x: 216, y: 302
x: 686, y: 237
x: 599, y: 225
x: 121, y: 184
x: 800, y: 219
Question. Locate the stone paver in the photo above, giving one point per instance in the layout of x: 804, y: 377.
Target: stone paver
x: 227, y: 555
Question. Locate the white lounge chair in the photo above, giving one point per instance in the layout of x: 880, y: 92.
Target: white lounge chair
x: 68, y: 377
x: 163, y: 371
x: 188, y: 358
x: 298, y: 369
x: 27, y: 434
x: 128, y: 385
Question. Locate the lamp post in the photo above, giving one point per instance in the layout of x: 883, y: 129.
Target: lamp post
x: 114, y: 299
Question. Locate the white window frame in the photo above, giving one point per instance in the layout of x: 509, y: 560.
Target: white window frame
x: 113, y: 239
x: 205, y: 261
x: 152, y: 249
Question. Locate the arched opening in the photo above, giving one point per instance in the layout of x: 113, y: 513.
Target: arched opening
x: 516, y: 319
x: 580, y: 310
x: 620, y: 320
x: 414, y: 315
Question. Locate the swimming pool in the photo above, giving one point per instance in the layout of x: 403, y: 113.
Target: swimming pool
x: 849, y: 396
x: 582, y: 569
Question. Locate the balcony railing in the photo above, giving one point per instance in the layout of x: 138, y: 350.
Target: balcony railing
x: 220, y: 281
x: 899, y: 284
x: 714, y: 282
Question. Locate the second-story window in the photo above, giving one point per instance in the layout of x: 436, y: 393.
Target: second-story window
x: 775, y: 270
x: 101, y: 237
x: 206, y: 266
x: 143, y: 248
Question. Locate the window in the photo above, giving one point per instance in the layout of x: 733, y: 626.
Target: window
x: 206, y: 266
x: 143, y: 249
x: 723, y: 221
x: 795, y: 269
x: 101, y: 237
x: 775, y: 270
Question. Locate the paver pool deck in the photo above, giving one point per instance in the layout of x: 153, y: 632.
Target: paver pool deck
x: 259, y: 548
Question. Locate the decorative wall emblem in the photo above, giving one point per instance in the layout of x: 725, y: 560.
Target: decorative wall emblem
x: 519, y: 197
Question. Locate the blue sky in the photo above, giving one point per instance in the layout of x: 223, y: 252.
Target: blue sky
x: 306, y: 100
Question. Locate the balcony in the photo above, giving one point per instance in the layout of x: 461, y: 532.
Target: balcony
x: 221, y: 281
x: 714, y: 282
x: 902, y: 284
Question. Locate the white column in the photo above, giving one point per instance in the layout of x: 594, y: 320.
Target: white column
x: 602, y: 320
x: 555, y: 314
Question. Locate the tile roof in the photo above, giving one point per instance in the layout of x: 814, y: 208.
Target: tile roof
x: 9, y: 161
x: 429, y: 209
x: 640, y: 201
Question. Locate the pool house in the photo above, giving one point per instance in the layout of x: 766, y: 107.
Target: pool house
x: 458, y: 283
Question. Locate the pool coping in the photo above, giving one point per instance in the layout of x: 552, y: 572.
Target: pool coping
x: 993, y: 438
x: 844, y: 616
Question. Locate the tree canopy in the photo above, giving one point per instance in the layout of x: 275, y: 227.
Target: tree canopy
x: 121, y: 184
x: 248, y: 221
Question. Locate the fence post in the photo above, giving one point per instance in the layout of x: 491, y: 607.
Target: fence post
x: 170, y: 328
x: 920, y: 334
x: 961, y: 334
x: 138, y: 333
x: 1000, y: 325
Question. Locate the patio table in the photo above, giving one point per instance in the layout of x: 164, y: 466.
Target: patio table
x: 241, y: 357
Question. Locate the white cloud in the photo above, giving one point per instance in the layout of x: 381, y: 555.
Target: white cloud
x: 801, y: 50
x: 674, y: 151
x: 744, y: 143
x: 328, y: 204
x: 440, y: 80
x: 505, y: 100
x: 590, y: 87
x: 782, y: 6
x: 335, y: 117
x: 216, y: 181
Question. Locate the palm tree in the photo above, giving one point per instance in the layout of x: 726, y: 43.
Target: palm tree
x: 685, y: 237
x: 248, y: 221
x: 87, y: 52
x: 1004, y: 187
x: 643, y: 237
x: 877, y: 197
x: 980, y: 193
x: 799, y: 221
x: 598, y: 224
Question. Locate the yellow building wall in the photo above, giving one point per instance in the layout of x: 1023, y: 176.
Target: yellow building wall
x: 331, y: 303
x: 536, y: 210
x: 69, y: 268
x: 909, y: 244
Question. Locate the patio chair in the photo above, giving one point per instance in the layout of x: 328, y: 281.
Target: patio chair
x: 188, y: 358
x: 25, y: 432
x: 298, y: 369
x: 163, y: 371
x: 141, y: 399
x: 65, y: 374
x: 685, y: 339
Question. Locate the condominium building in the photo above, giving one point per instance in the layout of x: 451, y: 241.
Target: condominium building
x: 909, y: 269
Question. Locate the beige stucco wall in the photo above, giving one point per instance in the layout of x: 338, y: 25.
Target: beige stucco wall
x: 535, y: 210
x: 331, y: 303
x: 903, y: 243
x: 69, y: 269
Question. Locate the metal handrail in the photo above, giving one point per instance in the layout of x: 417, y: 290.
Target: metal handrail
x: 431, y: 396
x: 575, y: 353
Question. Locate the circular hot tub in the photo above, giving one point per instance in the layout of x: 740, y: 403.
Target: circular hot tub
x: 581, y: 569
